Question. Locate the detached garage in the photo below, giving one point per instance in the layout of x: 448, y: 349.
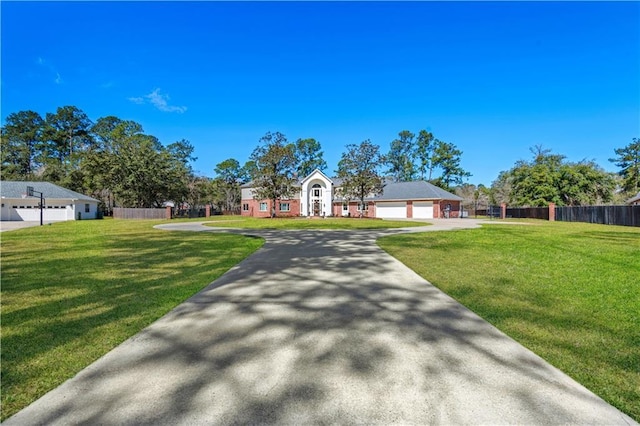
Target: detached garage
x: 60, y: 204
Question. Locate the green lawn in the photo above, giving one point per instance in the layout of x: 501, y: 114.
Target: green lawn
x: 307, y: 223
x: 568, y: 291
x: 72, y: 291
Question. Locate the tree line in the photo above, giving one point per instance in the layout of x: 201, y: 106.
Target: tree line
x: 550, y: 178
x: 115, y: 161
x: 110, y: 159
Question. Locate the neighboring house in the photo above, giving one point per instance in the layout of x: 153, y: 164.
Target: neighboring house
x: 634, y: 201
x: 318, y: 195
x: 59, y: 203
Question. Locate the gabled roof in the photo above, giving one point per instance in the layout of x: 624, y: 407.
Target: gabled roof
x: 314, y: 172
x: 15, y: 189
x: 634, y: 199
x: 417, y: 190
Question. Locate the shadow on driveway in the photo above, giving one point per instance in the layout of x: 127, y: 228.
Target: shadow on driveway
x: 320, y: 327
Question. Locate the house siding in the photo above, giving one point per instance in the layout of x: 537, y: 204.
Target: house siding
x: 353, y: 209
x: 254, y: 208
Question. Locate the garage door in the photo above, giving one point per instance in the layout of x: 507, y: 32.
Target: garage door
x: 423, y: 209
x: 391, y: 210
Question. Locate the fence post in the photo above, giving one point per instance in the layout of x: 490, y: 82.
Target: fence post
x: 552, y: 212
x: 503, y: 210
x: 207, y: 210
x: 168, y: 214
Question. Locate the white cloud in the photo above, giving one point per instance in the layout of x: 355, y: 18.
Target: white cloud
x: 57, y: 79
x: 160, y: 101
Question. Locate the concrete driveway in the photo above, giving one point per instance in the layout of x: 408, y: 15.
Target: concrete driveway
x: 13, y: 225
x: 320, y: 327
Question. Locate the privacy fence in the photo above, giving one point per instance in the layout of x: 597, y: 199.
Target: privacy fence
x: 160, y: 213
x: 529, y: 212
x: 135, y: 213
x: 607, y: 215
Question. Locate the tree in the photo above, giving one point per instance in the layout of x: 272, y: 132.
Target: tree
x: 180, y: 173
x: 536, y: 183
x: 135, y: 168
x: 585, y: 183
x: 67, y: 131
x: 230, y: 175
x: 446, y: 156
x: 198, y: 191
x: 628, y: 159
x: 548, y: 178
x: 275, y: 165
x: 400, y: 157
x: 21, y: 149
x: 474, y: 196
x: 66, y: 136
x: 424, y: 153
x: 309, y: 155
x: 501, y: 188
x: 359, y: 170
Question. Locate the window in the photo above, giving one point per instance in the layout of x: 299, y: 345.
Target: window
x: 363, y: 207
x: 87, y: 208
x: 284, y: 207
x: 245, y: 207
x: 345, y: 206
x: 263, y: 207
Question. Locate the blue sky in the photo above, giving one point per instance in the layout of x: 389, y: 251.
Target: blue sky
x: 494, y: 78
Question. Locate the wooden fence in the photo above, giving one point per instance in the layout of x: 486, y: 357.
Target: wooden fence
x: 608, y: 215
x: 528, y: 213
x: 135, y: 213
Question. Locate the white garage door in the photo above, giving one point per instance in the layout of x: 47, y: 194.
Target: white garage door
x: 391, y: 210
x: 423, y: 209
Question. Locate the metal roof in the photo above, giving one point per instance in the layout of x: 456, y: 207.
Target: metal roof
x: 16, y: 189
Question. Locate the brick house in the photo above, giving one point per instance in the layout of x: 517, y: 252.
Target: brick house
x: 318, y: 196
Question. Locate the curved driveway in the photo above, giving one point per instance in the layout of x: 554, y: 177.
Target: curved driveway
x: 320, y: 327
